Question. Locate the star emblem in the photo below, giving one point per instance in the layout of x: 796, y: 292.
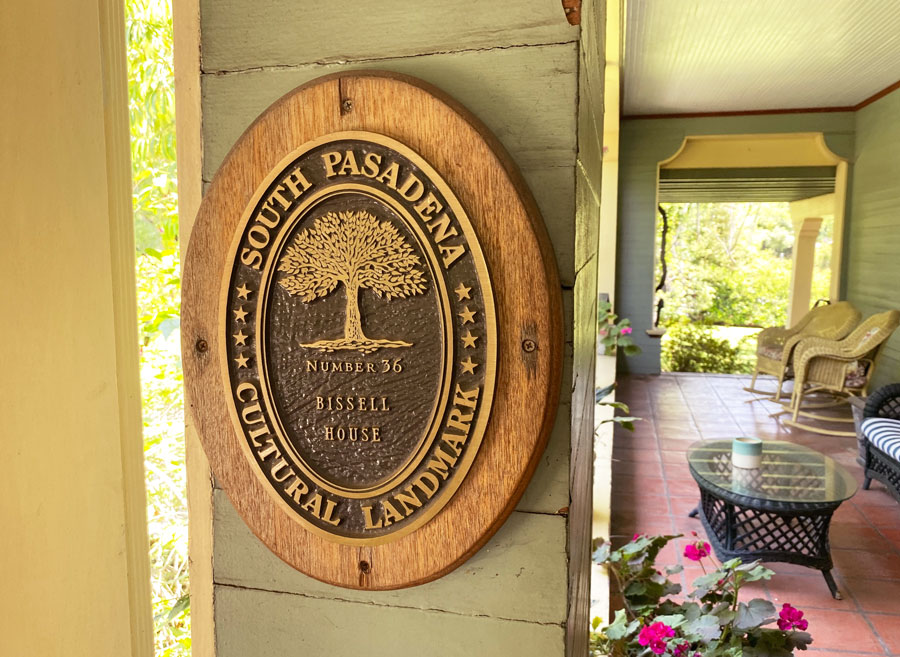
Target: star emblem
x: 462, y: 292
x: 243, y: 291
x: 241, y: 361
x: 240, y: 338
x: 240, y: 314
x: 469, y: 340
x: 468, y: 365
x: 468, y: 316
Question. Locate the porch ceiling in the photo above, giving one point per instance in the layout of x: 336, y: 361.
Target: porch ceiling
x: 691, y: 56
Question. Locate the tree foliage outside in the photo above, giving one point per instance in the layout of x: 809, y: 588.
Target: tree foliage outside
x: 728, y: 264
x: 152, y: 107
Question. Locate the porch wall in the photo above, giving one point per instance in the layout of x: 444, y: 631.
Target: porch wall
x: 516, y: 67
x: 644, y: 143
x: 873, y: 270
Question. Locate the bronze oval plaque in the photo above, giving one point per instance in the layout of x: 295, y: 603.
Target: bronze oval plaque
x: 359, y: 337
x: 371, y: 331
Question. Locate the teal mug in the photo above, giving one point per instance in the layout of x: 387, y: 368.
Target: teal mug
x: 746, y: 452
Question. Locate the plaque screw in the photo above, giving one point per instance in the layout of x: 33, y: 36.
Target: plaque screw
x: 201, y: 346
x: 346, y: 106
x: 529, y: 346
x: 364, y: 567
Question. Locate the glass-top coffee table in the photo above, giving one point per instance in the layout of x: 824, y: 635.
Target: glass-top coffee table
x: 780, y: 511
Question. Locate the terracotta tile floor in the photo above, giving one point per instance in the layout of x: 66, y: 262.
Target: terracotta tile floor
x: 653, y: 492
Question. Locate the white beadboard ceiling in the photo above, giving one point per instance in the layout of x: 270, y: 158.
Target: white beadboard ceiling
x: 684, y: 56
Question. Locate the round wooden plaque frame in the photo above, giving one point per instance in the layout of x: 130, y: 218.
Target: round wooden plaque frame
x: 527, y: 296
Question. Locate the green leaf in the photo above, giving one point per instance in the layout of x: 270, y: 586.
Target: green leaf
x: 709, y: 580
x: 672, y: 620
x: 603, y: 393
x: 703, y: 628
x: 691, y: 611
x: 755, y: 572
x: 183, y: 603
x: 620, y: 627
x: 601, y: 551
x: 753, y: 614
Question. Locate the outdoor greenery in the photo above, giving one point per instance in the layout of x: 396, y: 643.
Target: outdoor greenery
x: 710, y: 621
x: 728, y: 264
x: 688, y: 347
x: 614, y: 334
x: 152, y: 106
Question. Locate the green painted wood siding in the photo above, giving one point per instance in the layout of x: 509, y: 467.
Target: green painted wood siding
x: 516, y: 67
x: 646, y: 142
x: 873, y: 268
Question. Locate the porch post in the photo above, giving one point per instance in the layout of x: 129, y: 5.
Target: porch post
x: 804, y: 259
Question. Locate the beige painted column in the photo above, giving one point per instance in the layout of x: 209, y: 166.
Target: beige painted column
x: 74, y: 560
x: 608, y: 175
x: 804, y: 259
x: 807, y: 215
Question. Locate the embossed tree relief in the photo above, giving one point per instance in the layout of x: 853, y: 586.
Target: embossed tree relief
x: 360, y: 252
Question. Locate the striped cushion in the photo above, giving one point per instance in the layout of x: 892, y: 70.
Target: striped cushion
x: 884, y: 433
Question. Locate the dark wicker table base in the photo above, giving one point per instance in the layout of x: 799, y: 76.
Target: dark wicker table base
x: 769, y: 531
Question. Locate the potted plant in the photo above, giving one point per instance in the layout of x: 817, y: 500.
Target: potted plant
x: 710, y: 621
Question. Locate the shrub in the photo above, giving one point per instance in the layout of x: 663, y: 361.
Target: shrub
x: 690, y: 347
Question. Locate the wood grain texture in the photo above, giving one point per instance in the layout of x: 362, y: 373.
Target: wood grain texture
x: 530, y: 107
x: 527, y: 292
x: 528, y: 554
x: 297, y: 626
x: 188, y: 128
x: 238, y: 34
x: 588, y: 251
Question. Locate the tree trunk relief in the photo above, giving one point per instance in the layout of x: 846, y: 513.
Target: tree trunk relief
x: 353, y: 321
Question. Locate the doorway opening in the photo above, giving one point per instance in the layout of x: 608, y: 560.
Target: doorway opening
x: 748, y: 235
x: 725, y: 274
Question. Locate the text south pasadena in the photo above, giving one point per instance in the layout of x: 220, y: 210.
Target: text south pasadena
x: 294, y: 184
x: 393, y: 508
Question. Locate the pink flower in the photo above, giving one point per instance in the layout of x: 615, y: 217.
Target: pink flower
x: 626, y: 330
x: 655, y: 636
x: 681, y: 650
x: 790, y: 618
x: 636, y: 537
x: 602, y: 333
x: 696, y: 551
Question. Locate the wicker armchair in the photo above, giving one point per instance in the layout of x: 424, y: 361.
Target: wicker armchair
x: 775, y: 345
x: 840, y: 367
